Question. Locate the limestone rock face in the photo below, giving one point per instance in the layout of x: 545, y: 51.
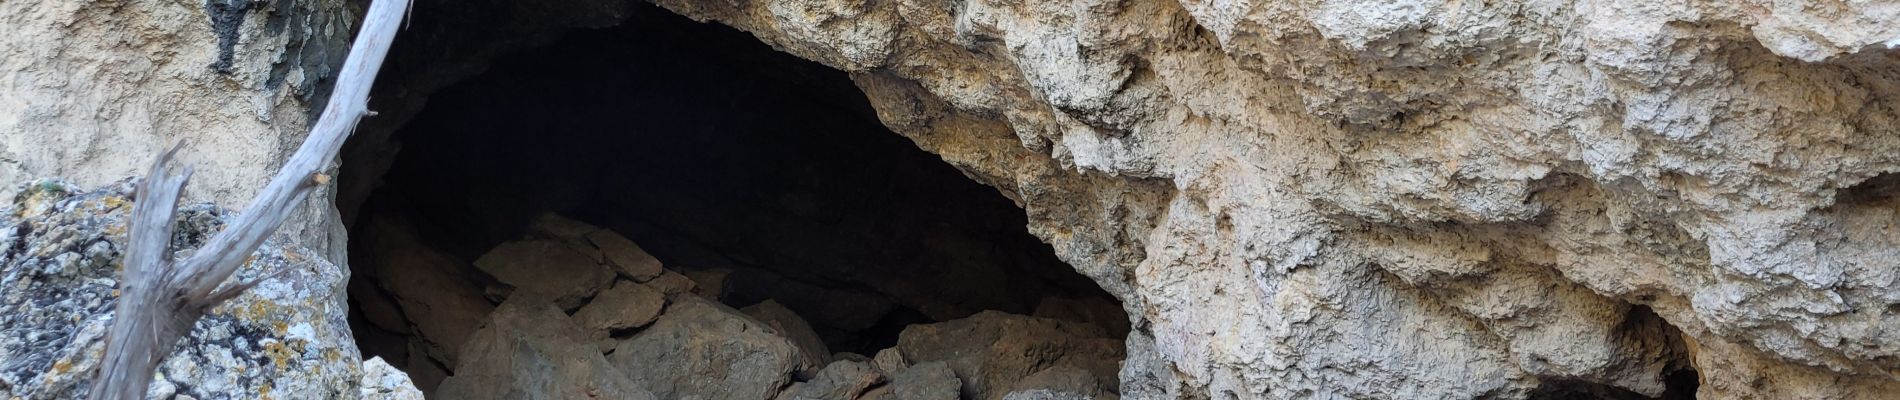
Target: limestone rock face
x: 1350, y: 198
x: 1428, y: 199
x: 60, y: 256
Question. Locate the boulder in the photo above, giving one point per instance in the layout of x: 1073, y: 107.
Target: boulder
x: 625, y: 256
x: 792, y: 327
x: 552, y: 268
x: 627, y: 305
x: 1046, y: 394
x: 529, y: 350
x: 442, y: 311
x: 60, y: 253
x: 701, y: 349
x: 384, y: 382
x: 890, y: 361
x: 993, y: 350
x: 672, y: 283
x: 840, y: 380
x: 927, y: 381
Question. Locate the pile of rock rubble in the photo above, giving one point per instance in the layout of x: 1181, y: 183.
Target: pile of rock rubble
x: 586, y: 313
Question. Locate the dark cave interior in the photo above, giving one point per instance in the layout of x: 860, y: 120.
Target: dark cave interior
x: 767, y: 175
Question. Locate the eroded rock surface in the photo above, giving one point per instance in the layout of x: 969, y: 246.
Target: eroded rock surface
x: 706, y: 350
x: 1355, y: 198
x: 530, y: 349
x: 992, y: 352
x: 60, y: 257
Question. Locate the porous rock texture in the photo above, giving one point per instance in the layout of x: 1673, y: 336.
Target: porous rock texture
x: 1331, y: 198
x: 61, y: 250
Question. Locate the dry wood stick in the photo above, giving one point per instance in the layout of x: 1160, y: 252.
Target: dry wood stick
x: 160, y: 300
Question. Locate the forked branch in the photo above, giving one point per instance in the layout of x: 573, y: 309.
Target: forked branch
x: 160, y: 299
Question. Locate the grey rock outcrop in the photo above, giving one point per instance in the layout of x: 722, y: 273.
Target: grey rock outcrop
x: 384, y: 382
x: 59, y: 260
x: 442, y: 313
x: 566, y: 272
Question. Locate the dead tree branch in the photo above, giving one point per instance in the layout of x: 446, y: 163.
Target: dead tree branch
x: 160, y: 300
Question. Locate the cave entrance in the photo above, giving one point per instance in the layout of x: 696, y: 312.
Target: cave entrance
x: 666, y: 175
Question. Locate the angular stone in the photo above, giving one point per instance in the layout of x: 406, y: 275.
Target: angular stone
x: 384, y: 382
x: 791, y: 326
x: 840, y: 380
x: 548, y: 268
x: 443, y: 311
x: 671, y: 283
x: 627, y: 305
x: 531, y: 350
x: 1060, y: 382
x: 890, y: 361
x: 701, y: 349
x: 927, y: 381
x: 425, y: 371
x: 879, y: 393
x: 626, y: 256
x: 992, y: 350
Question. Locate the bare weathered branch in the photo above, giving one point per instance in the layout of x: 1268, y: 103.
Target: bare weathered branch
x: 160, y: 300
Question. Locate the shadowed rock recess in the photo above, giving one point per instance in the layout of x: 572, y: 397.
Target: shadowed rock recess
x: 1321, y: 199
x: 670, y: 209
